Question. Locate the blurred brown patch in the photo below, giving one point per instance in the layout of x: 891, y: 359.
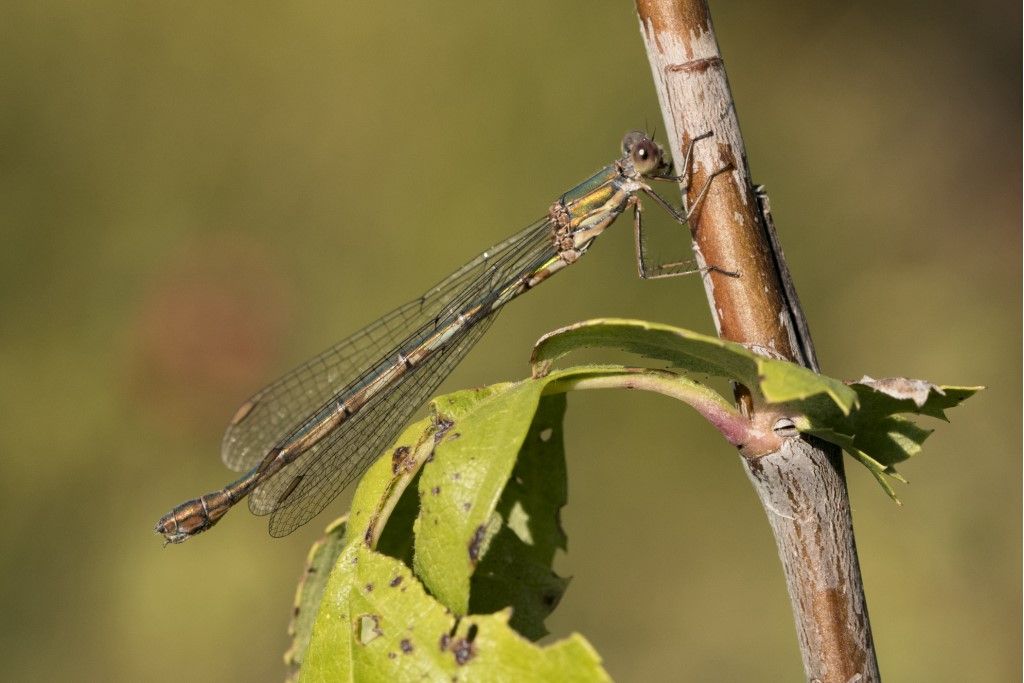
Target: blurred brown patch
x: 208, y: 332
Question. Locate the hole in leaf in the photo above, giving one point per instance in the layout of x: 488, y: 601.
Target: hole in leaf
x: 369, y: 628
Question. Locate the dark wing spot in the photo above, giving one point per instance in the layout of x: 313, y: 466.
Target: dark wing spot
x: 243, y: 411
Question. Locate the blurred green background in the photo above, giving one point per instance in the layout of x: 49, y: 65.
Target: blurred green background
x: 194, y: 197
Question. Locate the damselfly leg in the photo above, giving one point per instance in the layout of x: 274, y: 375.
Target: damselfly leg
x: 682, y: 215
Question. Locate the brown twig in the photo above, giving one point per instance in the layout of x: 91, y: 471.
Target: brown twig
x: 801, y: 486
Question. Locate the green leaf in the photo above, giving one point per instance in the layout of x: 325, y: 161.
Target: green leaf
x: 491, y: 483
x: 482, y: 433
x: 863, y: 418
x: 771, y: 381
x: 461, y: 486
x: 310, y: 590
x: 682, y: 348
x: 391, y: 630
x: 379, y: 491
x: 396, y: 539
x: 877, y: 434
x: 329, y: 654
x: 900, y: 395
x: 499, y: 450
x: 516, y: 571
x: 781, y: 382
x: 385, y: 482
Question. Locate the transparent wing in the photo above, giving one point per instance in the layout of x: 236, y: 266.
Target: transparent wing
x: 304, y: 487
x: 278, y: 409
x: 348, y: 451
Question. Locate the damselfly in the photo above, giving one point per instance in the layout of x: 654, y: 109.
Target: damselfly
x: 307, y: 436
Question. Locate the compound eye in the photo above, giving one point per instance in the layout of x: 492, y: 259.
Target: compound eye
x: 646, y: 156
x: 631, y: 140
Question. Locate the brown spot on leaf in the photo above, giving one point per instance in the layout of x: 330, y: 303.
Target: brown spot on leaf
x: 442, y: 425
x: 463, y: 650
x: 395, y: 581
x: 902, y: 388
x: 476, y: 542
x: 400, y: 459
x: 406, y: 645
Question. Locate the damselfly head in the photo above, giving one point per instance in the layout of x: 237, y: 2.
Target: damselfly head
x: 645, y: 154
